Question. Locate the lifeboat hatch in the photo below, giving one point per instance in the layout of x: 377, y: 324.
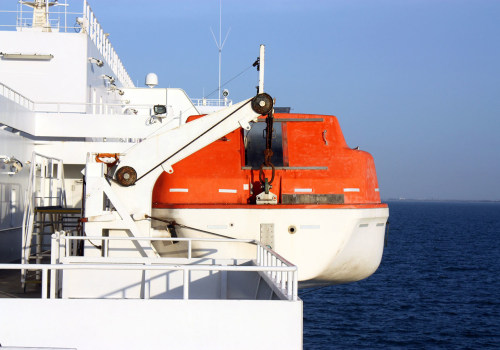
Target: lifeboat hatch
x: 255, y: 144
x: 267, y: 235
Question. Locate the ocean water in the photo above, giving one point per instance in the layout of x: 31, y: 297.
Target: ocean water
x: 438, y: 286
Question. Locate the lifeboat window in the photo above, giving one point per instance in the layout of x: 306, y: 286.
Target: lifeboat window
x: 255, y: 144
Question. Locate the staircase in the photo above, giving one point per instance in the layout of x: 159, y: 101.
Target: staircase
x: 45, y: 212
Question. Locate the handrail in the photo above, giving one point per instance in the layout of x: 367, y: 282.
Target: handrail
x: 66, y: 107
x: 279, y: 270
x: 263, y: 249
x: 31, y: 198
x: 45, y: 268
x: 100, y: 39
x: 211, y: 102
x: 10, y: 228
x: 87, y: 23
x: 17, y: 97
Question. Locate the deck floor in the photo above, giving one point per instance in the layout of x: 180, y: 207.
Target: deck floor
x: 10, y: 286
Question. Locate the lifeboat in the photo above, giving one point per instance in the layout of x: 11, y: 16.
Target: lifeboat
x: 316, y: 201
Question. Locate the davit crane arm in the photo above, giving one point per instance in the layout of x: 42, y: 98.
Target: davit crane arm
x: 166, y: 149
x: 136, y: 171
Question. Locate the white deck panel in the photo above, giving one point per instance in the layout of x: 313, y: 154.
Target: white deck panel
x: 151, y: 324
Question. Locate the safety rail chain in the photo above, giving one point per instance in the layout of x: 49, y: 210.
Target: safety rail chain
x: 45, y: 188
x: 279, y: 272
x: 15, y: 96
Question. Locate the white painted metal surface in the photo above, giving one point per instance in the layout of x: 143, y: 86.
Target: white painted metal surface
x: 261, y: 68
x: 95, y: 107
x: 92, y: 106
x: 153, y: 324
x: 126, y: 303
x: 327, y: 244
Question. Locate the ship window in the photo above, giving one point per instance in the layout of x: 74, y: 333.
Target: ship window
x: 255, y: 144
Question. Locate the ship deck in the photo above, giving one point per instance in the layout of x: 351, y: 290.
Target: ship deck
x: 10, y: 286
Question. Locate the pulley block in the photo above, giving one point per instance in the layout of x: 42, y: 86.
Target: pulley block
x: 126, y: 176
x: 262, y: 103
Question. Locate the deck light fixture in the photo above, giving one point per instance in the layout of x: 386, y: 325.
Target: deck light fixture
x: 98, y: 62
x: 110, y: 78
x: 160, y: 109
x: 26, y: 56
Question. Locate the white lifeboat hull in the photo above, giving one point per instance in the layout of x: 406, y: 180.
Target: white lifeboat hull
x: 331, y: 246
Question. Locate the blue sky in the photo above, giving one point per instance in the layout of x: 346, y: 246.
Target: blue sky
x: 414, y: 82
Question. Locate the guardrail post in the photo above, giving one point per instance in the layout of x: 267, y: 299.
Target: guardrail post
x: 283, y: 276
x: 273, y: 263
x: 44, y: 283
x: 66, y: 246
x: 105, y: 248
x: 289, y: 284
x: 295, y: 285
x: 147, y: 283
x: 185, y: 284
x: 54, y: 259
x: 189, y: 249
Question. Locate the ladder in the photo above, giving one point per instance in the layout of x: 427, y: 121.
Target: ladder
x: 45, y: 212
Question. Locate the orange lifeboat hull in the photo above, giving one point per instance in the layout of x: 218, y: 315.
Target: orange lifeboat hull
x: 328, y: 219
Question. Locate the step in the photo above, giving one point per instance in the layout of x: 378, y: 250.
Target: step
x: 57, y: 210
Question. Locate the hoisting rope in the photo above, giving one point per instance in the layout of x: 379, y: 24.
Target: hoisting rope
x: 183, y: 112
x: 194, y: 140
x: 173, y: 223
x: 268, y: 154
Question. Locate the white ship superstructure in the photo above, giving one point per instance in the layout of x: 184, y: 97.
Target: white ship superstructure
x: 64, y: 92
x: 111, y: 192
x: 65, y: 96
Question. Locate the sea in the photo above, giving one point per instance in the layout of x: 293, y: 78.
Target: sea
x: 437, y: 287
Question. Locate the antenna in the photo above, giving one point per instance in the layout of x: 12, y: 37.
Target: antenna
x: 220, y: 43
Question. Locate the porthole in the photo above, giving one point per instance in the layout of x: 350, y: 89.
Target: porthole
x: 292, y: 229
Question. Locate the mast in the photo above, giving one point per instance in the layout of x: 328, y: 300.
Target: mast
x: 220, y: 44
x: 40, y: 13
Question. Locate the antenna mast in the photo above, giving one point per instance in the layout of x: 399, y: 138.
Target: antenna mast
x: 219, y: 43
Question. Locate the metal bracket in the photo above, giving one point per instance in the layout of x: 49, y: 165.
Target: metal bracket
x: 267, y: 198
x: 167, y: 167
x: 244, y: 124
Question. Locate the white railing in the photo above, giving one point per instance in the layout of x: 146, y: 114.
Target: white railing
x: 60, y: 24
x: 286, y: 279
x: 279, y: 272
x: 87, y: 23
x: 95, y: 108
x: 15, y: 96
x: 59, y: 107
x: 212, y: 102
x: 186, y: 269
x: 47, y: 181
x: 45, y: 188
x: 100, y: 39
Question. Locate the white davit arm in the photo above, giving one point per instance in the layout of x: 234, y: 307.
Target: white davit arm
x: 166, y: 149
